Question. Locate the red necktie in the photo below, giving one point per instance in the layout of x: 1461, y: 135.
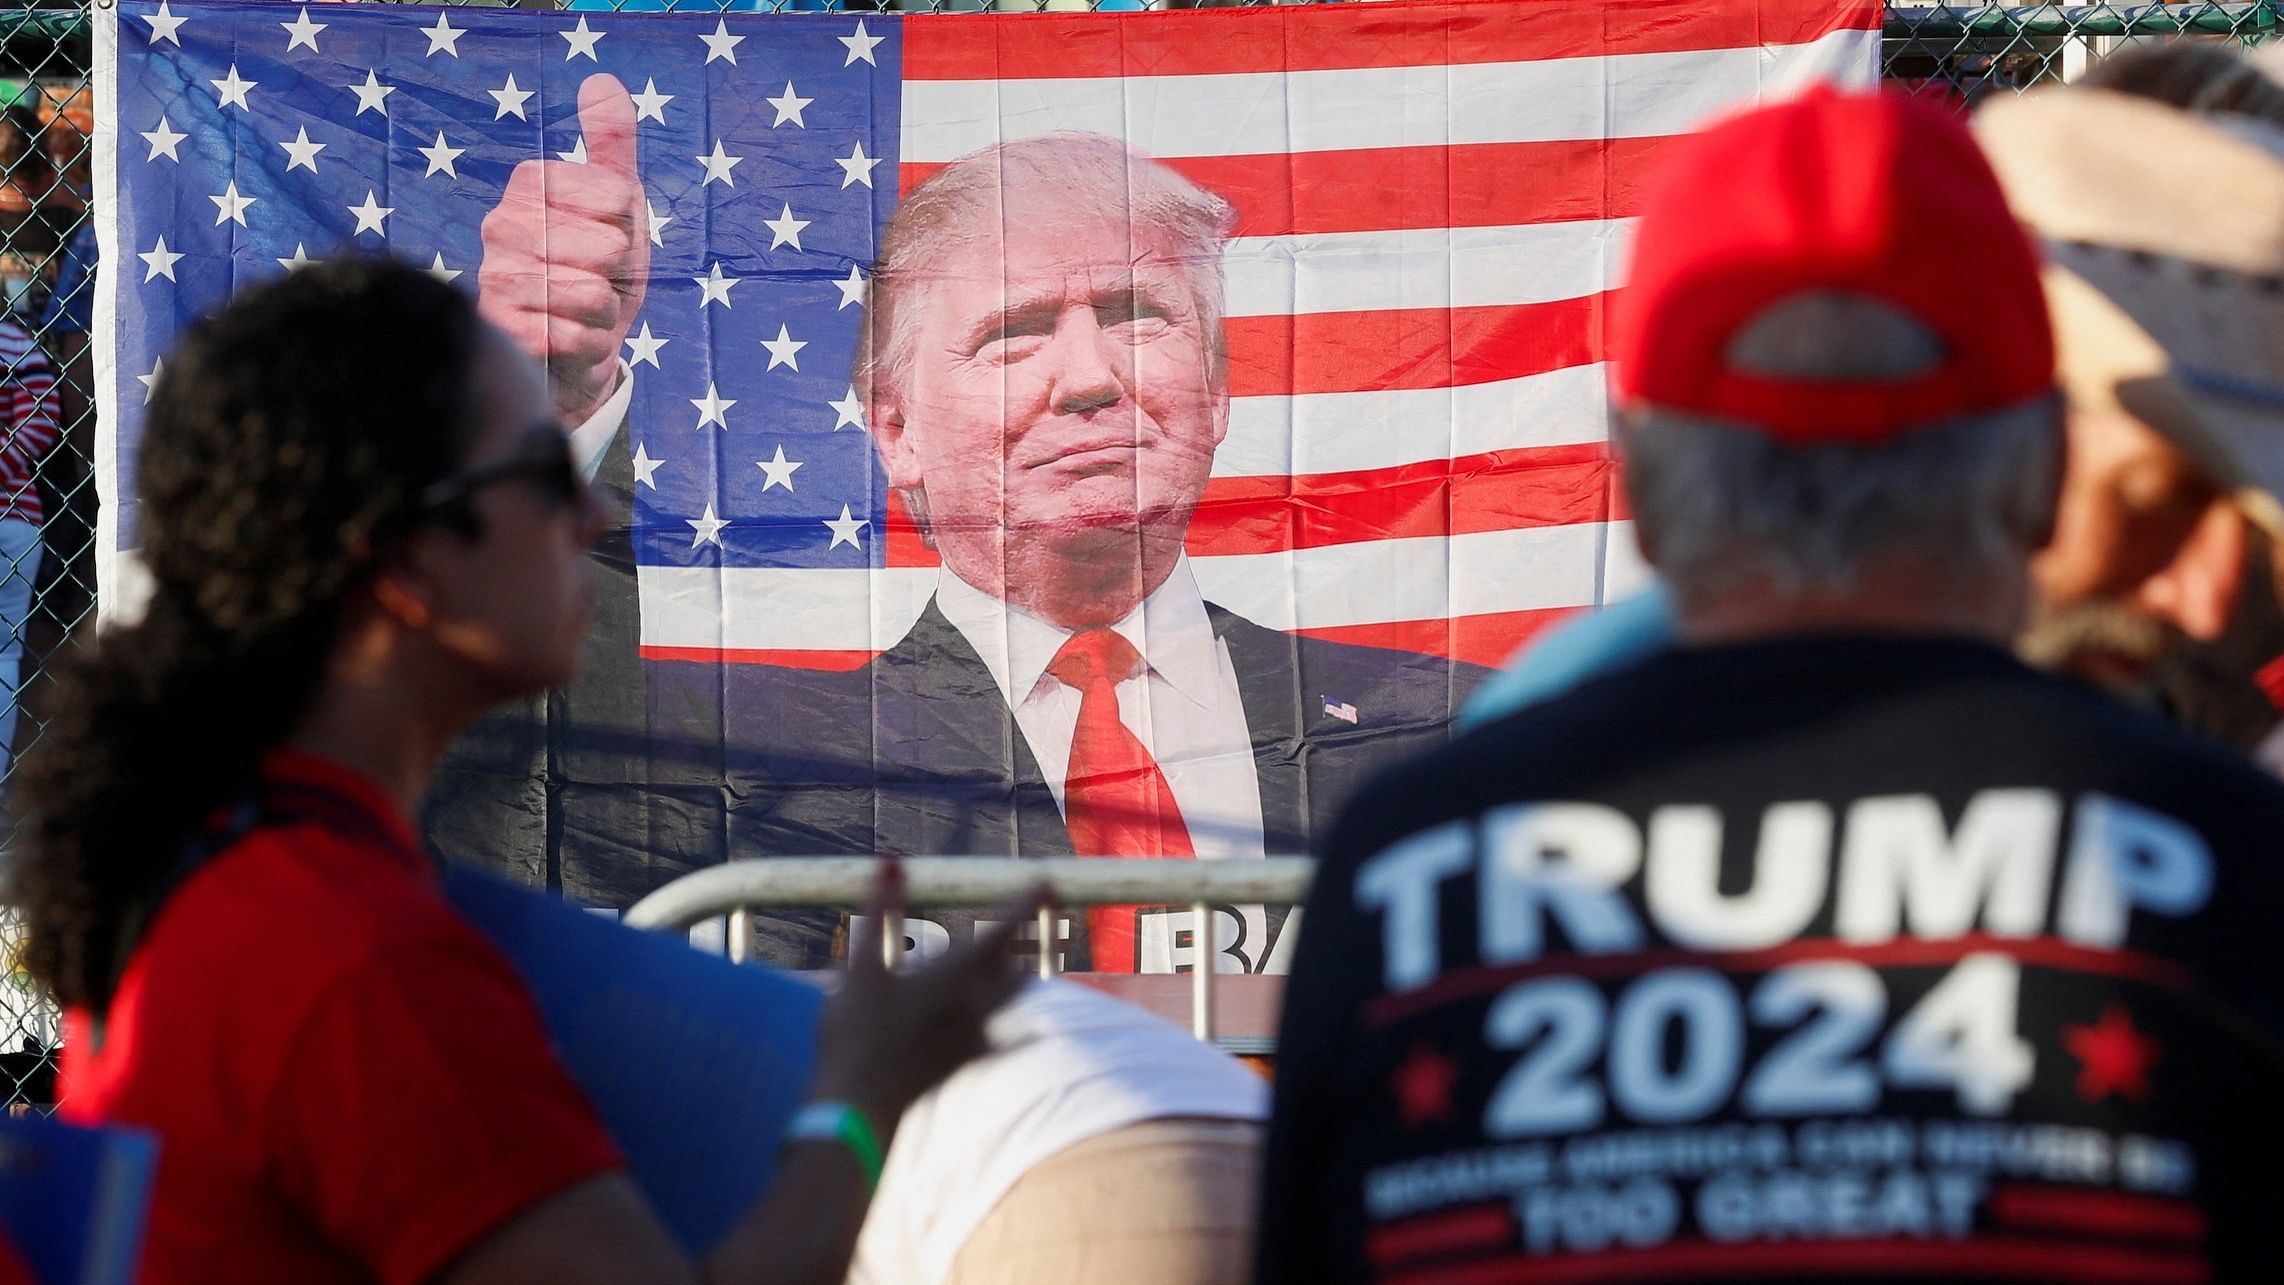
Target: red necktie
x: 1115, y: 800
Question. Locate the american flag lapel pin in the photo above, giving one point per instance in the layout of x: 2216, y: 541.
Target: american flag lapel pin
x: 1340, y: 709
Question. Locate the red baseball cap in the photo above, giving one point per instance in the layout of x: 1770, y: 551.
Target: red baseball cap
x: 1870, y: 194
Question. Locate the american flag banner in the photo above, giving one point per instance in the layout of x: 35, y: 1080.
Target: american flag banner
x: 1430, y: 206
x: 1432, y: 202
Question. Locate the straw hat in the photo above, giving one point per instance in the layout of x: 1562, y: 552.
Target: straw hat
x: 2165, y: 278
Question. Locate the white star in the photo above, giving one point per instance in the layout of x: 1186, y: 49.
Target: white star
x: 856, y: 167
x: 845, y: 530
x: 859, y: 46
x: 782, y: 350
x: 163, y: 26
x: 848, y: 412
x: 789, y: 105
x: 372, y: 215
x: 231, y: 207
x: 372, y: 96
x: 718, y: 166
x: 233, y: 89
x: 437, y: 269
x: 645, y: 347
x: 299, y: 260
x: 778, y: 471
x: 785, y: 229
x: 716, y: 286
x: 164, y: 139
x: 301, y: 151
x: 441, y: 156
x: 578, y: 153
x: 650, y: 104
x: 510, y: 99
x: 582, y: 42
x: 150, y: 382
x: 713, y: 407
x: 303, y: 31
x: 159, y: 261
x: 443, y: 38
x: 722, y: 44
x: 645, y: 468
x: 658, y: 222
x: 709, y: 529
x: 851, y: 288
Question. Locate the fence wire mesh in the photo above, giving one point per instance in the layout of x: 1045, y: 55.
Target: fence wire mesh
x: 1956, y: 53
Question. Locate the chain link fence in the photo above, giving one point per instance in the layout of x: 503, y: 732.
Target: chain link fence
x: 1955, y: 53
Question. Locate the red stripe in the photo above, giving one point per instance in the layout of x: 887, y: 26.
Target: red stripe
x: 905, y: 546
x: 1501, y: 491
x: 1475, y: 1227
x: 1348, y: 352
x: 2040, y: 1260
x: 1903, y: 952
x: 2099, y: 1213
x: 1488, y: 639
x: 1241, y: 40
x: 783, y: 658
x: 1383, y: 189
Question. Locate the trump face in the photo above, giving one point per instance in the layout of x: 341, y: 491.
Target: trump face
x: 1052, y: 396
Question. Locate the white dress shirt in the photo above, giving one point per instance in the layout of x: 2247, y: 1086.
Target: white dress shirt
x: 591, y: 439
x: 1184, y: 706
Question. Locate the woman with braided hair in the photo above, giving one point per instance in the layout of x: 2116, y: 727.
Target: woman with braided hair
x: 363, y: 528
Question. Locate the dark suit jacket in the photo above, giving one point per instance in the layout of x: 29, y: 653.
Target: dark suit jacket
x: 918, y: 753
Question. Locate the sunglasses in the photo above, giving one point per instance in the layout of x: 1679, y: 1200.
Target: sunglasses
x: 542, y: 460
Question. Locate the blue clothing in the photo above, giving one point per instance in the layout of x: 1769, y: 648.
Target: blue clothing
x: 1574, y: 651
x: 71, y: 303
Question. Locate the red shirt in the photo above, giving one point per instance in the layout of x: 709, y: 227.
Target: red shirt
x: 348, y: 1082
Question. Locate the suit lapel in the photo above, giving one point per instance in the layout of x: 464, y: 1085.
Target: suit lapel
x: 1267, y: 679
x: 940, y: 720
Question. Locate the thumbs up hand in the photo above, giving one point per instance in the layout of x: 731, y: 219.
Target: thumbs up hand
x: 567, y: 255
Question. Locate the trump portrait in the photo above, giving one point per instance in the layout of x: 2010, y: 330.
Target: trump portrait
x: 1045, y: 382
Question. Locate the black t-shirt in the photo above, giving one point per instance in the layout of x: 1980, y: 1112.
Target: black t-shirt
x: 1822, y: 957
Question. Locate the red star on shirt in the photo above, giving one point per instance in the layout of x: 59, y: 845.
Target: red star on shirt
x: 2117, y: 1057
x: 1422, y: 1085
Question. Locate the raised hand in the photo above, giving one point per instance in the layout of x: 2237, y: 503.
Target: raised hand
x: 887, y: 1038
x: 567, y: 254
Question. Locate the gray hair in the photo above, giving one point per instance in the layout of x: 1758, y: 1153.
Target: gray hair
x: 972, y: 199
x: 1725, y: 503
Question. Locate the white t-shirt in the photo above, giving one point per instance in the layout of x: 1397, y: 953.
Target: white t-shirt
x: 1068, y: 1064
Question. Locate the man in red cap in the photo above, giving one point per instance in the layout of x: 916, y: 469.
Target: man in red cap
x: 1834, y: 942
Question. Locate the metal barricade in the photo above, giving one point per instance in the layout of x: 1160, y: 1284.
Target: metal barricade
x: 738, y: 888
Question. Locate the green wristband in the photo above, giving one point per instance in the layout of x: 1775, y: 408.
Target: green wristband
x: 840, y: 1122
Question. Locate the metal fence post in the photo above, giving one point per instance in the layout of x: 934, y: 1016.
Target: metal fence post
x: 1201, y: 973
x: 741, y: 934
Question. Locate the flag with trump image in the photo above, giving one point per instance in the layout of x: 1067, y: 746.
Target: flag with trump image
x: 1090, y: 434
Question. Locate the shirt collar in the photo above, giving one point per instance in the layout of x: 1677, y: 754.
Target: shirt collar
x: 348, y: 796
x: 1170, y: 629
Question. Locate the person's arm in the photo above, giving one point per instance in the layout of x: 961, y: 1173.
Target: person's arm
x: 885, y: 1040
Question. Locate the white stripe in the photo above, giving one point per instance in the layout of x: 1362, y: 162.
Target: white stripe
x: 1423, y: 578
x: 1427, y: 578
x: 1261, y: 113
x: 1351, y: 432
x: 751, y: 607
x: 1270, y: 276
x: 113, y: 576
